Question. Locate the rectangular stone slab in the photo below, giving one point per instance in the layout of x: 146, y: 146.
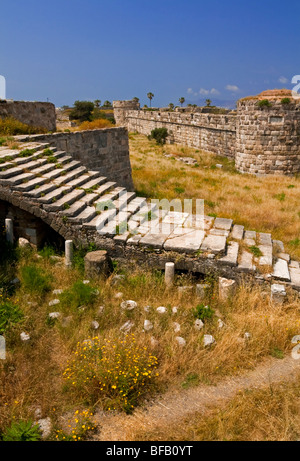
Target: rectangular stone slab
x: 232, y: 254
x: 214, y: 243
x: 223, y: 223
x: 187, y: 242
x: 154, y: 241
x: 237, y: 232
x: 281, y: 271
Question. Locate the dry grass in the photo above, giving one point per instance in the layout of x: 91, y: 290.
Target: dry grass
x: 270, y: 414
x: 94, y: 125
x: 32, y: 375
x: 267, y: 204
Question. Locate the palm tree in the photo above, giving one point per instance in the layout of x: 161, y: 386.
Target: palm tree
x: 150, y: 96
x: 182, y: 101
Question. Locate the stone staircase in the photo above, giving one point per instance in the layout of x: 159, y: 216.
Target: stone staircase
x: 99, y: 209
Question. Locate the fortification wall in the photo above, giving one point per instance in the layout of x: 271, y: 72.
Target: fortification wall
x: 268, y: 134
x: 263, y: 138
x: 38, y: 114
x: 211, y: 132
x: 105, y: 150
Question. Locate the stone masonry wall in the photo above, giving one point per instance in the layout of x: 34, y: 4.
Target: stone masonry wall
x: 105, y: 150
x: 38, y: 114
x: 268, y: 136
x: 211, y: 132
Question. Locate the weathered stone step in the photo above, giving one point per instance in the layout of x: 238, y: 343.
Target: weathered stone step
x: 91, y: 198
x: 83, y: 179
x: 232, y: 254
x: 34, y: 183
x: 97, y: 181
x: 115, y: 225
x: 14, y: 171
x: 56, y: 172
x: 38, y: 155
x: 65, y: 201
x: 108, y: 199
x: 42, y: 190
x: 73, y: 174
x: 19, y: 179
x: 215, y: 244
x: 55, y: 194
x: 123, y: 200
x: 74, y: 209
x: 295, y: 277
x: 246, y: 262
x: 281, y: 271
x: 99, y: 221
x: 86, y: 215
x: 237, y: 232
x: 136, y: 204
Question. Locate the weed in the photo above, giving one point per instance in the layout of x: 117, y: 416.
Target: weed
x: 22, y: 431
x: 203, y: 312
x: 35, y: 280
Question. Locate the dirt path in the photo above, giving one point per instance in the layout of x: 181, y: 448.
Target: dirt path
x: 178, y: 404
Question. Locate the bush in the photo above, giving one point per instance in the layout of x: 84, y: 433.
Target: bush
x: 118, y: 373
x: 11, y: 127
x: 264, y: 103
x: 82, y: 111
x: 79, y: 294
x: 22, y: 431
x: 35, y: 280
x: 285, y: 101
x: 95, y: 124
x: 203, y: 312
x: 10, y: 315
x: 160, y: 135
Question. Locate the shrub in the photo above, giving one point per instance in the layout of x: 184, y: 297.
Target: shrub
x: 160, y: 135
x: 22, y: 431
x: 264, y: 103
x: 256, y: 251
x: 285, y: 101
x: 82, y: 111
x: 11, y: 127
x: 80, y: 426
x: 10, y: 315
x: 203, y: 312
x: 79, y: 294
x: 27, y: 152
x: 95, y: 124
x: 118, y: 373
x: 35, y: 280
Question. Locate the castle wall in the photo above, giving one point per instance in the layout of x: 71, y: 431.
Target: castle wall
x: 104, y: 150
x: 37, y: 114
x: 268, y: 137
x: 211, y: 132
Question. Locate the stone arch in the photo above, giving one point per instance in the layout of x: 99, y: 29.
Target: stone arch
x: 31, y: 221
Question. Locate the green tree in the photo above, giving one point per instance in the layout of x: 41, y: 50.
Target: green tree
x: 182, y: 101
x: 107, y: 104
x: 150, y: 96
x: 82, y: 111
x: 208, y: 102
x: 97, y: 103
x: 171, y: 106
x: 135, y: 99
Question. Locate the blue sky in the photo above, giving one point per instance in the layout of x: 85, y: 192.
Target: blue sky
x: 117, y: 49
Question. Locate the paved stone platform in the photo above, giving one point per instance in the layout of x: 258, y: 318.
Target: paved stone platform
x: 84, y: 206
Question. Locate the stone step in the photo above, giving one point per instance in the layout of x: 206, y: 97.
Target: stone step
x: 19, y: 179
x: 86, y: 215
x: 215, y: 244
x: 124, y: 200
x: 38, y: 155
x: 83, y: 179
x: 99, y: 221
x: 41, y: 191
x: 91, y: 198
x: 281, y: 271
x: 232, y: 254
x: 66, y: 200
x: 295, y: 277
x: 94, y: 183
x: 56, y: 172
x: 70, y: 176
x: 223, y: 223
x: 55, y: 194
x: 237, y: 232
x: 34, y: 183
x: 74, y: 209
x: 267, y: 255
x: 246, y: 262
x: 43, y: 169
x: 116, y: 224
x: 136, y: 204
x: 108, y: 199
x: 14, y: 171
